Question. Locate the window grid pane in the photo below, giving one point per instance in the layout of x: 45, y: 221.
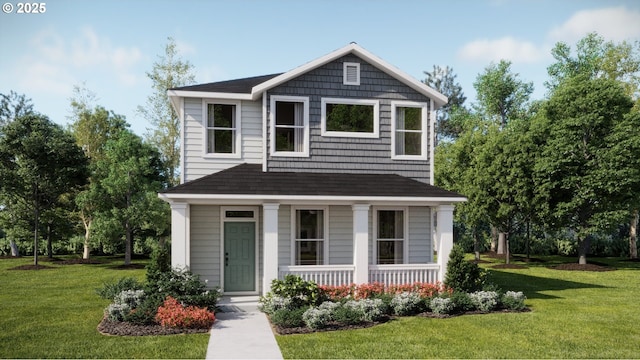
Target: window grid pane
x: 289, y: 125
x: 309, y: 237
x: 221, y: 131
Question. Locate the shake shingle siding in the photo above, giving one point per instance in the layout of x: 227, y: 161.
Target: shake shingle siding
x: 342, y: 154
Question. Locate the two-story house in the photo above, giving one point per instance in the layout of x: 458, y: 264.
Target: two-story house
x: 325, y: 171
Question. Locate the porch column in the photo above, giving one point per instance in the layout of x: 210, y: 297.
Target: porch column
x: 270, y: 251
x: 361, y: 243
x: 180, y: 237
x: 445, y: 237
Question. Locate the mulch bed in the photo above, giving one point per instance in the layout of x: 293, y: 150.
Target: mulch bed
x: 121, y: 328
x: 579, y: 267
x: 509, y: 266
x: 31, y: 267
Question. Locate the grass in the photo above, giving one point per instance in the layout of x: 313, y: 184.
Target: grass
x: 53, y: 313
x: 574, y: 314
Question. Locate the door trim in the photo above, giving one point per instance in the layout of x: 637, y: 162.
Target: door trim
x: 254, y: 219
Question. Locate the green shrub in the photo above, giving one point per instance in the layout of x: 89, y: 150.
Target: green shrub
x: 513, y: 300
x: 184, y: 286
x: 301, y: 292
x: 111, y: 289
x: 485, y: 300
x: 462, y: 302
x: 348, y: 314
x: 463, y: 275
x: 441, y: 305
x: 288, y: 318
x: 317, y: 318
x: 373, y: 309
x: 271, y: 303
x: 406, y: 303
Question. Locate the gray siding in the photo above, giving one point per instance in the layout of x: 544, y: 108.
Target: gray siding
x: 196, y: 164
x: 340, y: 235
x: 284, y: 235
x: 420, y: 248
x: 354, y: 155
x: 205, y: 243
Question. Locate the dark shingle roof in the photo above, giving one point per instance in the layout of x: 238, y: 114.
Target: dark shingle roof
x: 249, y: 179
x: 237, y: 86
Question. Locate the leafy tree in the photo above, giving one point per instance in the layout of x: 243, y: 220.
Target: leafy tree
x: 444, y: 80
x: 168, y: 72
x: 129, y: 177
x: 39, y: 162
x: 583, y: 188
x: 13, y: 106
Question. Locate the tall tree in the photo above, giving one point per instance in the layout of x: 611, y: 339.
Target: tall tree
x: 583, y: 189
x: 92, y: 129
x: 168, y: 72
x: 12, y: 106
x: 39, y: 162
x: 444, y: 80
x: 130, y: 175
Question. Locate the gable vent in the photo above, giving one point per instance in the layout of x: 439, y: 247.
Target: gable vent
x: 351, y: 74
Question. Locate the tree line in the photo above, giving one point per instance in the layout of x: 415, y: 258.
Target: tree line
x: 93, y: 184
x: 563, y: 167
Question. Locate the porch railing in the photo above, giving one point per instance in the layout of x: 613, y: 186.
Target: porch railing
x: 321, y: 274
x: 404, y: 273
x: 343, y: 274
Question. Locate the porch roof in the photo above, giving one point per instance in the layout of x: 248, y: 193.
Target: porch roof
x: 249, y: 179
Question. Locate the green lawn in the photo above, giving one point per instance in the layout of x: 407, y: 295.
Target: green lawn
x: 574, y: 314
x: 53, y: 313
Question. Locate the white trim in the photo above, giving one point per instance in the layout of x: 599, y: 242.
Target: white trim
x: 338, y: 200
x: 423, y: 131
x: 254, y: 219
x: 272, y: 125
x: 215, y: 95
x: 265, y: 119
x: 405, y: 231
x: 359, y: 51
x: 237, y: 151
x: 325, y: 240
x: 345, y: 80
x: 432, y: 143
x: 182, y: 136
x: 349, y: 101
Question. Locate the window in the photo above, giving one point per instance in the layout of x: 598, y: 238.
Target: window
x: 351, y: 73
x: 290, y: 126
x: 309, y: 237
x: 408, y: 125
x: 222, y: 129
x: 350, y: 117
x: 390, y: 237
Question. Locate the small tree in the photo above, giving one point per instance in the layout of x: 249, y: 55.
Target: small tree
x: 463, y: 275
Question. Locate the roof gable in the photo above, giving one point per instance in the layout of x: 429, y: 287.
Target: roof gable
x: 252, y: 88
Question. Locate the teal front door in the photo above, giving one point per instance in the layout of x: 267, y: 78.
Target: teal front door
x: 239, y: 256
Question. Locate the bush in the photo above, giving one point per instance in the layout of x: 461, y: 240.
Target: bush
x: 348, y: 314
x: 184, y: 286
x: 123, y: 304
x: 372, y: 309
x: 117, y: 312
x: 301, y: 292
x: 272, y: 303
x: 485, y: 300
x: 462, y: 302
x: 463, y: 275
x: 175, y: 315
x: 441, y: 306
x: 288, y: 318
x: 111, y: 289
x: 513, y: 300
x: 316, y: 318
x: 406, y: 303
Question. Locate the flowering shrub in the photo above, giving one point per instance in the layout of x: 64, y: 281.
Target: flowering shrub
x: 173, y: 314
x: 376, y: 290
x: 442, y: 306
x: 513, y: 300
x: 485, y: 300
x: 406, y: 303
x: 316, y: 318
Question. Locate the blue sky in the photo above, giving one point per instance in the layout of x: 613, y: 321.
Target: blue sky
x: 108, y: 45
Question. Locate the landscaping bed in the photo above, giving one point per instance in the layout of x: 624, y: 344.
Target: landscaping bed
x: 123, y: 328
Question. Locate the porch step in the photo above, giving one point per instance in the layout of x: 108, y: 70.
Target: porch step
x: 231, y: 304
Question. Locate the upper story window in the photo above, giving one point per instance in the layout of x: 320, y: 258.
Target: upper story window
x: 289, y: 126
x: 409, y: 135
x: 350, y: 117
x: 390, y: 236
x: 222, y: 130
x: 351, y: 73
x: 310, y: 241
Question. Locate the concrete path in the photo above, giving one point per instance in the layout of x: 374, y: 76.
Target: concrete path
x: 242, y: 332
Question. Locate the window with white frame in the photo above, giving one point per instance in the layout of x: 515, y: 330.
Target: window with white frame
x: 350, y: 117
x: 309, y: 237
x: 409, y: 124
x: 390, y: 236
x: 222, y: 129
x: 351, y: 73
x: 290, y: 126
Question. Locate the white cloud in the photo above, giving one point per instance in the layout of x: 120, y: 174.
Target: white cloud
x: 507, y: 48
x: 615, y: 24
x: 54, y: 64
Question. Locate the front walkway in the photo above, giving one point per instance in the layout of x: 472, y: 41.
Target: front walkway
x: 242, y: 332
